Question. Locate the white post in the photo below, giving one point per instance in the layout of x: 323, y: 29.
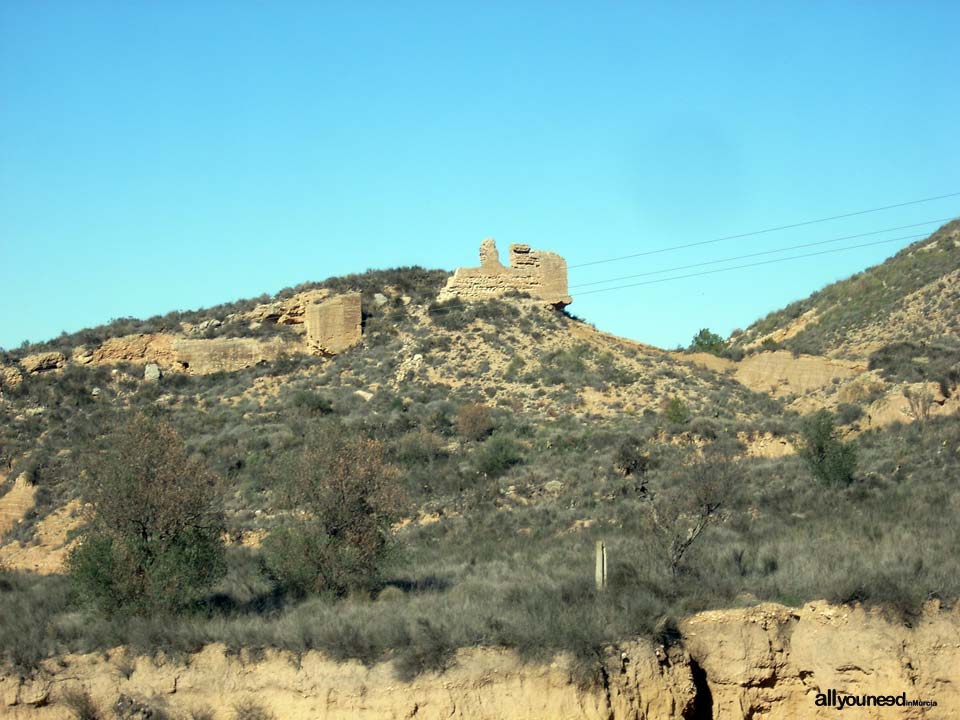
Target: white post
x: 601, y: 566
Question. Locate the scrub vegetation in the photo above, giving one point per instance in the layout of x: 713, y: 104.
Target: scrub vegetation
x: 428, y: 517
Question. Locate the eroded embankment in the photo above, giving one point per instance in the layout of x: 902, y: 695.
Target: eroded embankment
x: 764, y: 662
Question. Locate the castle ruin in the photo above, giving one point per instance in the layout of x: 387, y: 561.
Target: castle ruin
x: 335, y: 324
x: 538, y: 273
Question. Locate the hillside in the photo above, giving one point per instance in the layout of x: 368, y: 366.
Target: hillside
x: 912, y: 297
x: 512, y: 437
x: 880, y: 347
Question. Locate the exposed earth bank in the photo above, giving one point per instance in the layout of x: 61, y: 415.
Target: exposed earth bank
x: 766, y: 662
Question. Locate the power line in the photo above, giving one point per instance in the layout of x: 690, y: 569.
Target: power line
x: 757, y: 254
x: 747, y: 265
x: 767, y: 230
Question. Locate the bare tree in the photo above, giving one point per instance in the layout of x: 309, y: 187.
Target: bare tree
x: 920, y: 402
x: 694, y: 500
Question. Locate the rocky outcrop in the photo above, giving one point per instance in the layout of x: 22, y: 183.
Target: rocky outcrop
x: 781, y: 373
x: 767, y: 662
x: 15, y: 503
x: 10, y: 378
x: 41, y: 362
x: 202, y: 357
x: 334, y: 325
x: 151, y: 372
x: 538, y: 273
x: 53, y: 538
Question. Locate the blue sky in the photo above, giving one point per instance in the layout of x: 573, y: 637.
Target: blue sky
x: 160, y: 156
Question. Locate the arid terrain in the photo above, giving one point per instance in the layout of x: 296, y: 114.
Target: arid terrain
x: 779, y: 507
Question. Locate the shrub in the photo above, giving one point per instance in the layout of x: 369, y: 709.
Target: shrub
x: 473, y: 421
x: 342, y: 490
x: 920, y: 402
x: 153, y: 543
x: 430, y: 649
x: 80, y: 704
x: 705, y: 427
x: 830, y: 459
x: 565, y: 366
x: 250, y: 709
x: 311, y: 403
x: 923, y: 362
x: 676, y: 411
x: 420, y: 448
x: 629, y: 458
x: 496, y: 456
x: 848, y: 413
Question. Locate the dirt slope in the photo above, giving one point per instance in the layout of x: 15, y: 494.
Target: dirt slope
x: 764, y: 662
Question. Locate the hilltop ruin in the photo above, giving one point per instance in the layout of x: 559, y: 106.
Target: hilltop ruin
x: 328, y: 324
x: 538, y: 273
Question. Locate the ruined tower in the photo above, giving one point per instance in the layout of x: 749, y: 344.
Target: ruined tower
x: 538, y: 273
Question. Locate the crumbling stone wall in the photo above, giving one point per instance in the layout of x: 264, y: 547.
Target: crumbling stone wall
x: 202, y: 357
x: 538, y: 273
x: 139, y: 348
x: 334, y: 325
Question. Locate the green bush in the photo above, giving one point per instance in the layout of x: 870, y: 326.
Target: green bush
x: 154, y: 542
x: 676, y: 411
x: 311, y: 403
x: 830, y: 459
x: 496, y: 456
x: 848, y: 413
x: 707, y: 342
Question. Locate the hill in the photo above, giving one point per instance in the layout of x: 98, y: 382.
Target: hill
x: 912, y: 297
x: 515, y: 437
x: 880, y: 347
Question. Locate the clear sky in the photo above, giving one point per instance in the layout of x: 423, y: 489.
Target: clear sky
x: 173, y: 155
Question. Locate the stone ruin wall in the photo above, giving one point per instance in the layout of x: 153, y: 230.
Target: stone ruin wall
x: 334, y: 325
x: 539, y: 273
x: 330, y: 327
x: 203, y: 357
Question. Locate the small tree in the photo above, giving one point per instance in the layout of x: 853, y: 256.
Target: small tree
x: 153, y: 541
x: 830, y: 459
x: 708, y: 342
x: 343, y: 499
x: 692, y: 502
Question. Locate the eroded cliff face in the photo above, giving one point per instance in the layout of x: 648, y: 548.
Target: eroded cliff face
x: 482, y: 683
x: 764, y: 662
x: 770, y: 662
